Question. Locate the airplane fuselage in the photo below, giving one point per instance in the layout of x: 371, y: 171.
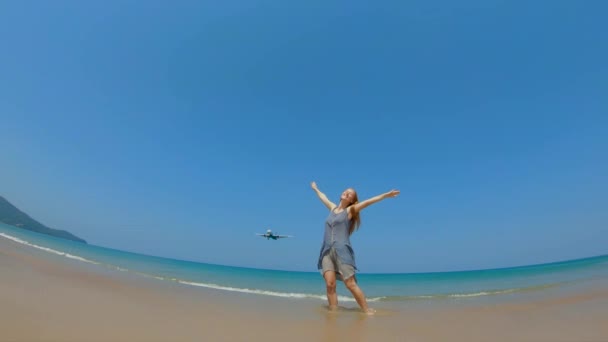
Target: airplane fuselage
x: 271, y: 235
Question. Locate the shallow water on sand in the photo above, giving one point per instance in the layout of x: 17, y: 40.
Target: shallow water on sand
x: 386, y: 292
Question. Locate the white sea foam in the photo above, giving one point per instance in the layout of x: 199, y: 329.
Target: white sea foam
x: 50, y: 250
x: 483, y: 293
x: 268, y: 293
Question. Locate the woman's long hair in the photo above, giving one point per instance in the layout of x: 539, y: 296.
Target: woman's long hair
x: 355, y: 221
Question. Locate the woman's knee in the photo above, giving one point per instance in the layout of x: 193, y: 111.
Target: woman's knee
x: 351, y: 283
x: 330, y: 280
x: 330, y: 285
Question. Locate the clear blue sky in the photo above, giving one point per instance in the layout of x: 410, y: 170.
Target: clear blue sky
x: 183, y: 128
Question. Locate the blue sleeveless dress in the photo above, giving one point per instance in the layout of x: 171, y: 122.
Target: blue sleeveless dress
x: 336, y: 236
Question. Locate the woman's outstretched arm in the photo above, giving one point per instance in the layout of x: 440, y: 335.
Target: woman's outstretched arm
x: 329, y: 204
x: 362, y: 205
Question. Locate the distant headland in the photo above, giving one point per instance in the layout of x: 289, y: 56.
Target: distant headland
x: 9, y: 214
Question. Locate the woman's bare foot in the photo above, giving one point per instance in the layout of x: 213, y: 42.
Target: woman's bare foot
x: 370, y: 312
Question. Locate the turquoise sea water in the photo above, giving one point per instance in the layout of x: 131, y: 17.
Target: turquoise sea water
x: 465, y: 286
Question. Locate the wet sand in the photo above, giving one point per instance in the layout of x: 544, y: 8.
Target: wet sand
x: 43, y: 298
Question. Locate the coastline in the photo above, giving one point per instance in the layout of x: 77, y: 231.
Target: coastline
x: 44, y: 299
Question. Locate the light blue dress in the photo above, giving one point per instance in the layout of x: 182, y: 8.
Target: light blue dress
x: 336, y: 236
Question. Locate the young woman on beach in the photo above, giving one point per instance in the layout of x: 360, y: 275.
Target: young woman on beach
x: 337, y: 257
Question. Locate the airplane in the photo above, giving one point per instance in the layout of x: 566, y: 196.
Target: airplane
x: 269, y: 235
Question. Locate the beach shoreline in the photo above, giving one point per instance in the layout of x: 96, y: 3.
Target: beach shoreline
x: 46, y: 299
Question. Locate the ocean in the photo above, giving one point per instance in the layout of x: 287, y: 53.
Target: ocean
x: 392, y: 289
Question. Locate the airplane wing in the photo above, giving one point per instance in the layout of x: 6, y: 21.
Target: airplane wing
x: 284, y: 236
x: 260, y: 234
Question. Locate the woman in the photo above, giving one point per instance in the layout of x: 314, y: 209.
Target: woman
x: 337, y: 258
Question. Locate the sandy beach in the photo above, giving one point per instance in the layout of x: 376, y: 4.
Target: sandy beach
x: 43, y: 298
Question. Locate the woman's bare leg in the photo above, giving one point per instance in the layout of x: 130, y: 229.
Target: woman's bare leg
x: 330, y: 284
x: 351, y: 285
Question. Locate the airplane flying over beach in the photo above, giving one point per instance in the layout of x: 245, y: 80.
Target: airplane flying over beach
x: 270, y: 235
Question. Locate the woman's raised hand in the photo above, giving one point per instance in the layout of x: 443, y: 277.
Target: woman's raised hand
x: 392, y: 193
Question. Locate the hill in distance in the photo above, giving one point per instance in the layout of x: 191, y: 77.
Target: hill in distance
x: 9, y: 214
